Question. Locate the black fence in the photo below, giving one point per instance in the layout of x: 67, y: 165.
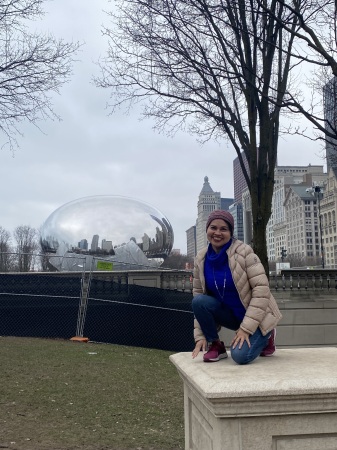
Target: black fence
x: 39, y: 305
x: 49, y: 305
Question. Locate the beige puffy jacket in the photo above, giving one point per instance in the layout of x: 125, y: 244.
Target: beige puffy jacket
x: 252, y: 285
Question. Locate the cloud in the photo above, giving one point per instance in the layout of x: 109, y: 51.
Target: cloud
x: 90, y: 152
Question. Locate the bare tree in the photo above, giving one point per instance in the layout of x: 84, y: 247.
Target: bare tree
x: 26, y: 244
x: 43, y: 258
x: 5, y: 250
x: 298, y: 260
x: 32, y: 66
x: 218, y: 69
x: 315, y: 47
x: 177, y: 261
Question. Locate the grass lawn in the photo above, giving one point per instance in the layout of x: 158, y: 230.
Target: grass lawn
x: 63, y: 395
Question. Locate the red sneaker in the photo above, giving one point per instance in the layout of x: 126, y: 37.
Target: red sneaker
x: 270, y: 348
x: 216, y: 351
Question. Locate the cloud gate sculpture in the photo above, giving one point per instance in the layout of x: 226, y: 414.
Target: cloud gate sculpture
x: 106, y: 233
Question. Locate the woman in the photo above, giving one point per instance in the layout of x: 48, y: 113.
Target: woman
x: 231, y: 289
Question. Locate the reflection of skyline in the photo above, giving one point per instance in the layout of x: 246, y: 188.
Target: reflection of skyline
x: 159, y: 246
x: 106, y: 247
x: 94, y: 242
x: 163, y: 242
x: 101, y: 225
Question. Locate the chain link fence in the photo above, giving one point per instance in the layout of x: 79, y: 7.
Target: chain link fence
x: 102, y: 306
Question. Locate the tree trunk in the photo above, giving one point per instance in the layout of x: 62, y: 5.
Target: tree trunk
x: 260, y: 239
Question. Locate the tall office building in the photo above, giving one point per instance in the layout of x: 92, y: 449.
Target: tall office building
x: 236, y: 210
x: 240, y: 209
x: 328, y: 207
x: 226, y: 203
x: 276, y: 230
x: 285, y: 177
x: 209, y: 200
x: 303, y: 238
x: 329, y: 201
x: 240, y: 183
x: 330, y: 116
x: 191, y: 241
x: 247, y: 217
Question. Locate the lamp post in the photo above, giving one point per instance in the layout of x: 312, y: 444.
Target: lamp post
x: 319, y: 195
x: 283, y: 253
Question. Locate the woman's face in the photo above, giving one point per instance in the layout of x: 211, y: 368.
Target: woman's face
x: 218, y: 234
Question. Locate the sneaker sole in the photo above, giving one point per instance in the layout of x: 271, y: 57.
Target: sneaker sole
x: 222, y: 356
x: 267, y: 355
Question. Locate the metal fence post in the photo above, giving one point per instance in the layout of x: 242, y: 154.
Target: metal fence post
x: 83, y: 305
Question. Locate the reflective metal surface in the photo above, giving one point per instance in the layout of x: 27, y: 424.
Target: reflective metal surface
x: 109, y: 228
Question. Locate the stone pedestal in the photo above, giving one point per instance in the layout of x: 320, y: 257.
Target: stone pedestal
x: 285, y: 402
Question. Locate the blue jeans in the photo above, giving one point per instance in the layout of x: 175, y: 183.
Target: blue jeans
x: 210, y: 313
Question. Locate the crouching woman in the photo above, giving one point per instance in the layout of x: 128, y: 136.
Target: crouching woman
x: 231, y: 290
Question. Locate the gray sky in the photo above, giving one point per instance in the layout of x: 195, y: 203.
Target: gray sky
x: 92, y: 153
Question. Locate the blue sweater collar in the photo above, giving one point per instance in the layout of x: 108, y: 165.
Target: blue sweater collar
x: 214, y: 257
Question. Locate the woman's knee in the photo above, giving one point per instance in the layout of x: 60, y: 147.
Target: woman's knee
x: 198, y: 301
x: 241, y: 356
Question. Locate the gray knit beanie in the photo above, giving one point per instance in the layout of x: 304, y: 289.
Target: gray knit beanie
x: 224, y: 215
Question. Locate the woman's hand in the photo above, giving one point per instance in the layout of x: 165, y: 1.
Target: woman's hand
x: 200, y: 345
x: 239, y: 338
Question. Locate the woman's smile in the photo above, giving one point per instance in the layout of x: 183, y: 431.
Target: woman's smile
x: 218, y: 234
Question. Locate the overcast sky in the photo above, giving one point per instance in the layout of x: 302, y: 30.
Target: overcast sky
x: 92, y: 153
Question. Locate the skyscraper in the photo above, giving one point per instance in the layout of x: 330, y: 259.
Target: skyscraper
x: 236, y: 210
x: 191, y: 241
x: 285, y: 177
x: 240, y: 184
x: 208, y: 202
x: 330, y: 116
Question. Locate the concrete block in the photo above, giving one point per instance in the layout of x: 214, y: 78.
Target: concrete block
x: 286, y: 402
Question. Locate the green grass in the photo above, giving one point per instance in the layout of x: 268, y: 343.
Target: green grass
x: 61, y: 395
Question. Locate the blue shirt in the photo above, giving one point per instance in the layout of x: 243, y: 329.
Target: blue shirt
x: 219, y: 280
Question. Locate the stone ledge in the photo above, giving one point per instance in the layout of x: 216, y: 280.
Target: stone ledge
x: 291, y: 382
x: 286, y: 402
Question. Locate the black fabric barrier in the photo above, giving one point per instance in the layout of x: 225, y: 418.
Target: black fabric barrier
x: 141, y: 316
x: 39, y: 305
x: 40, y: 284
x: 31, y: 316
x: 47, y: 306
